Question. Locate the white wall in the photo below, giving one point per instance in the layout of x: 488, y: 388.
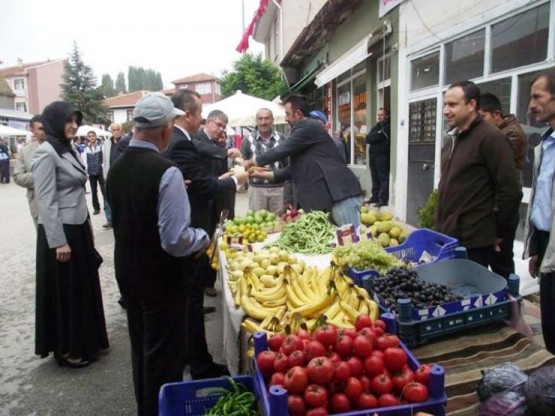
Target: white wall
x: 120, y: 115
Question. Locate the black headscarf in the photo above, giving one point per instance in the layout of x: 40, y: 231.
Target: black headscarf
x: 54, y: 117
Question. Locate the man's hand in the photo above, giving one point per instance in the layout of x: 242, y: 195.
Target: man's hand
x: 187, y: 182
x: 260, y: 172
x: 534, y: 265
x: 233, y: 153
x: 247, y: 163
x: 225, y: 175
x: 242, y: 177
x: 497, y: 245
x: 202, y: 251
x: 63, y: 253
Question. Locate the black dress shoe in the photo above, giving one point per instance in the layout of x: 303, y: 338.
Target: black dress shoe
x: 107, y: 225
x: 96, y: 212
x: 208, y: 309
x: 213, y: 371
x: 64, y: 361
x: 122, y: 303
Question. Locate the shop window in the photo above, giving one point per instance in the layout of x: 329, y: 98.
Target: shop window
x: 464, y: 57
x: 422, y: 121
x: 360, y: 119
x: 520, y: 40
x: 21, y: 107
x: 344, y: 114
x: 129, y: 115
x: 384, y: 68
x: 425, y: 71
x: 501, y: 88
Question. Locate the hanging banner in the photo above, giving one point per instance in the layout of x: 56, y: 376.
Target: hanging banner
x: 387, y: 5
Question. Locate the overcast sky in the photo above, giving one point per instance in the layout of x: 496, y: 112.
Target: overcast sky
x: 174, y: 37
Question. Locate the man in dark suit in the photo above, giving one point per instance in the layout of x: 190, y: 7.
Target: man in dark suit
x: 202, y: 190
x: 322, y: 181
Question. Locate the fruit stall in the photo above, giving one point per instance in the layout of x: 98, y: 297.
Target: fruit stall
x: 330, y: 321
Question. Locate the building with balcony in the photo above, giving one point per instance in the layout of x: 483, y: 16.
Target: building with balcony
x: 121, y: 106
x: 35, y: 84
x: 208, y: 86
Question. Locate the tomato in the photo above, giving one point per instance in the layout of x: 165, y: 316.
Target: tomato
x: 367, y: 401
x: 319, y: 411
x: 363, y: 321
x: 316, y: 396
x: 292, y: 343
x: 342, y: 371
x: 394, y: 358
x: 344, y: 345
x: 378, y: 331
x: 277, y: 379
x: 335, y: 387
x: 320, y: 370
x: 339, y: 403
x: 295, y: 404
x: 373, y: 365
x: 296, y: 380
x: 333, y: 356
x: 350, y: 332
x: 383, y: 343
x: 415, y: 392
x: 314, y: 349
x: 378, y: 323
x: 401, y: 379
x: 356, y: 366
x: 327, y: 335
x: 265, y: 361
x: 353, y: 388
x: 303, y: 334
x: 378, y: 353
x: 281, y: 363
x: 422, y: 374
x: 370, y: 334
x: 276, y: 341
x: 365, y: 383
x: 381, y: 384
x: 388, y: 400
x: 296, y: 358
x: 362, y: 347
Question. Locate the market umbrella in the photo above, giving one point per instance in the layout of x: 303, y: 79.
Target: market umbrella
x: 10, y: 131
x: 241, y: 109
x: 84, y: 129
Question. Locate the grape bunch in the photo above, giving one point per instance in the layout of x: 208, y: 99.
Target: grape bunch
x: 401, y: 282
x: 365, y: 255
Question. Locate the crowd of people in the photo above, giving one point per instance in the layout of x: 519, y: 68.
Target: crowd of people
x: 166, y: 187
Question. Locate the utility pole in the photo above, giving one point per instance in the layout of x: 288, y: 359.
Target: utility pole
x: 243, y: 15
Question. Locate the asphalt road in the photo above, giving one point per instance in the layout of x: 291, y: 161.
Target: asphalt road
x: 31, y: 386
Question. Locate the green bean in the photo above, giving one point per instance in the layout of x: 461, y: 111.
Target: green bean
x: 238, y: 401
x: 310, y: 234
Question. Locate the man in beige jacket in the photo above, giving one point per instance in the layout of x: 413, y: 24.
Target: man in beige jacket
x: 22, y: 174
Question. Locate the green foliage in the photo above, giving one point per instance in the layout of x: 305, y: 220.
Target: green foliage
x: 79, y: 88
x: 126, y: 127
x: 107, y: 86
x: 144, y: 79
x: 120, y: 83
x: 254, y: 76
x: 427, y: 212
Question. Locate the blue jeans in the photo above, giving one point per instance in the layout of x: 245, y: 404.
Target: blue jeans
x: 347, y: 211
x: 107, y: 211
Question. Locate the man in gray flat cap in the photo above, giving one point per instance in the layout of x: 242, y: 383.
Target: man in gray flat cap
x: 155, y: 250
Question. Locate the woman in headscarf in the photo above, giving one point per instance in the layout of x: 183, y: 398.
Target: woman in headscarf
x: 69, y: 312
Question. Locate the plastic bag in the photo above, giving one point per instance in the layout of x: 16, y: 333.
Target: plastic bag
x: 499, y: 379
x: 507, y: 403
x: 540, y: 391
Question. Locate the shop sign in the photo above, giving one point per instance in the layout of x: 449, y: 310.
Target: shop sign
x: 387, y: 5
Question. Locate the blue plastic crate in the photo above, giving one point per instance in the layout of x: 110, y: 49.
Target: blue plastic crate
x: 191, y: 397
x: 435, y: 404
x: 438, y: 245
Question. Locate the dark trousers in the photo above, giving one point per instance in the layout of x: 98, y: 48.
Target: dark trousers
x: 502, y: 262
x: 158, y: 335
x: 547, y: 294
x: 480, y: 255
x: 96, y: 180
x: 5, y: 171
x: 379, y: 170
x: 199, y: 358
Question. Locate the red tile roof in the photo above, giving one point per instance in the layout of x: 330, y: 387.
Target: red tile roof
x: 125, y: 100
x: 20, y: 70
x: 195, y: 78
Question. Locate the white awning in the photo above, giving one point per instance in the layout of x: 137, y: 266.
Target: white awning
x: 348, y: 60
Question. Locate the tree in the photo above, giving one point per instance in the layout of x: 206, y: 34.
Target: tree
x: 144, y: 79
x: 120, y: 83
x: 107, y: 86
x: 254, y: 76
x: 79, y: 88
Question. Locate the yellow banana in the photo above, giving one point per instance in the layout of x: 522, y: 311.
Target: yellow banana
x: 332, y: 311
x: 312, y: 310
x: 349, y: 310
x: 275, y: 303
x: 250, y: 325
x: 353, y: 299
x: 253, y: 279
x: 269, y: 296
x: 374, y: 309
x: 363, y: 307
x: 292, y: 296
x: 301, y: 294
x: 254, y: 309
